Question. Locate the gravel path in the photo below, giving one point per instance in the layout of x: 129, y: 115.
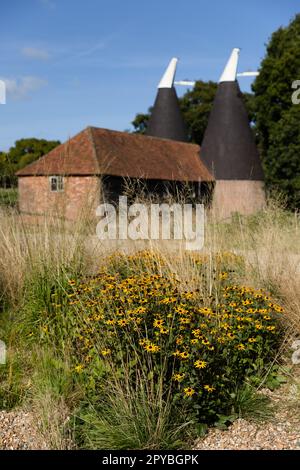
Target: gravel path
x: 282, y: 432
x: 18, y: 431
x: 243, y: 435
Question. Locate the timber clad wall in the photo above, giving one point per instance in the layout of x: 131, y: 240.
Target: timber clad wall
x: 81, y: 195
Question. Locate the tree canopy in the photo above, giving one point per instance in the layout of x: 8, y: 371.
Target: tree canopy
x: 277, y: 119
x: 24, y: 151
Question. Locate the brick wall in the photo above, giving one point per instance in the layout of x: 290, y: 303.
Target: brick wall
x: 81, y: 195
x: 243, y: 196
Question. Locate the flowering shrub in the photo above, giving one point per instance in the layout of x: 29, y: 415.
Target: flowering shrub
x: 140, y: 324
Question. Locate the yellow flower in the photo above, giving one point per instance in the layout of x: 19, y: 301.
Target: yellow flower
x: 178, y: 377
x: 78, y: 368
x: 189, y: 392
x: 181, y: 310
x: 105, y: 352
x: 196, y: 332
x: 223, y: 276
x: 151, y: 348
x: 189, y: 295
x: 230, y: 335
x: 205, y: 342
x: 278, y: 308
x: 122, y: 322
x: 251, y: 310
x: 221, y: 339
x: 179, y: 339
x: 209, y: 389
x: 271, y: 328
x: 168, y: 300
x: 184, y: 355
x: 252, y: 340
x: 184, y: 320
x: 163, y: 330
x: 239, y: 310
x: 241, y: 347
x: 200, y: 364
x: 194, y: 341
x: 176, y: 353
x: 158, y: 323
x: 205, y: 310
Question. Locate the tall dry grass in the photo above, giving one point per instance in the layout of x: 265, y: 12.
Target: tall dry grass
x: 37, y: 251
x: 269, y: 242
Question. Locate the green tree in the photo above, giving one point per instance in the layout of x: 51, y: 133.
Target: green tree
x: 196, y: 105
x: 276, y: 117
x: 24, y: 151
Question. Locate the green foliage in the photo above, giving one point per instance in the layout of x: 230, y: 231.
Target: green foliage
x: 24, y: 151
x: 119, y: 420
x: 13, y: 374
x: 277, y: 118
x: 8, y: 197
x: 132, y: 329
x: 251, y: 405
x: 196, y: 105
x: 276, y: 377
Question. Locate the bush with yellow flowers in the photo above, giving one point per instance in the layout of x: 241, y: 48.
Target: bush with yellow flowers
x: 136, y: 324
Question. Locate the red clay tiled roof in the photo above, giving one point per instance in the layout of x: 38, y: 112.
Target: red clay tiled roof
x: 97, y: 151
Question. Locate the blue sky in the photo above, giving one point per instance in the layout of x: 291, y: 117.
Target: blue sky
x: 71, y: 63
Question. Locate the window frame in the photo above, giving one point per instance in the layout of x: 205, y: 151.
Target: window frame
x: 59, y: 182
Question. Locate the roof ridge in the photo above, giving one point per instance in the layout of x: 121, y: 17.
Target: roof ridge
x: 139, y: 136
x: 89, y: 129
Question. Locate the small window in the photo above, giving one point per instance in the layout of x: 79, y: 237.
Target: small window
x: 56, y: 183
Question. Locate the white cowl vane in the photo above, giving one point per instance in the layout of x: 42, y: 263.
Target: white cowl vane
x: 168, y: 77
x: 229, y: 73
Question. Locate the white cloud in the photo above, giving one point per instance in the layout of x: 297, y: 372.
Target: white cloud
x: 20, y: 88
x: 35, y: 53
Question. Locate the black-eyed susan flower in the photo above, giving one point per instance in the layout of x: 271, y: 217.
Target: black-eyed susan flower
x: 194, y: 341
x: 252, y: 340
x: 151, y: 347
x: 164, y: 330
x: 199, y: 364
x: 271, y: 328
x: 184, y: 355
x: 209, y: 388
x: 178, y: 377
x: 189, y: 392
